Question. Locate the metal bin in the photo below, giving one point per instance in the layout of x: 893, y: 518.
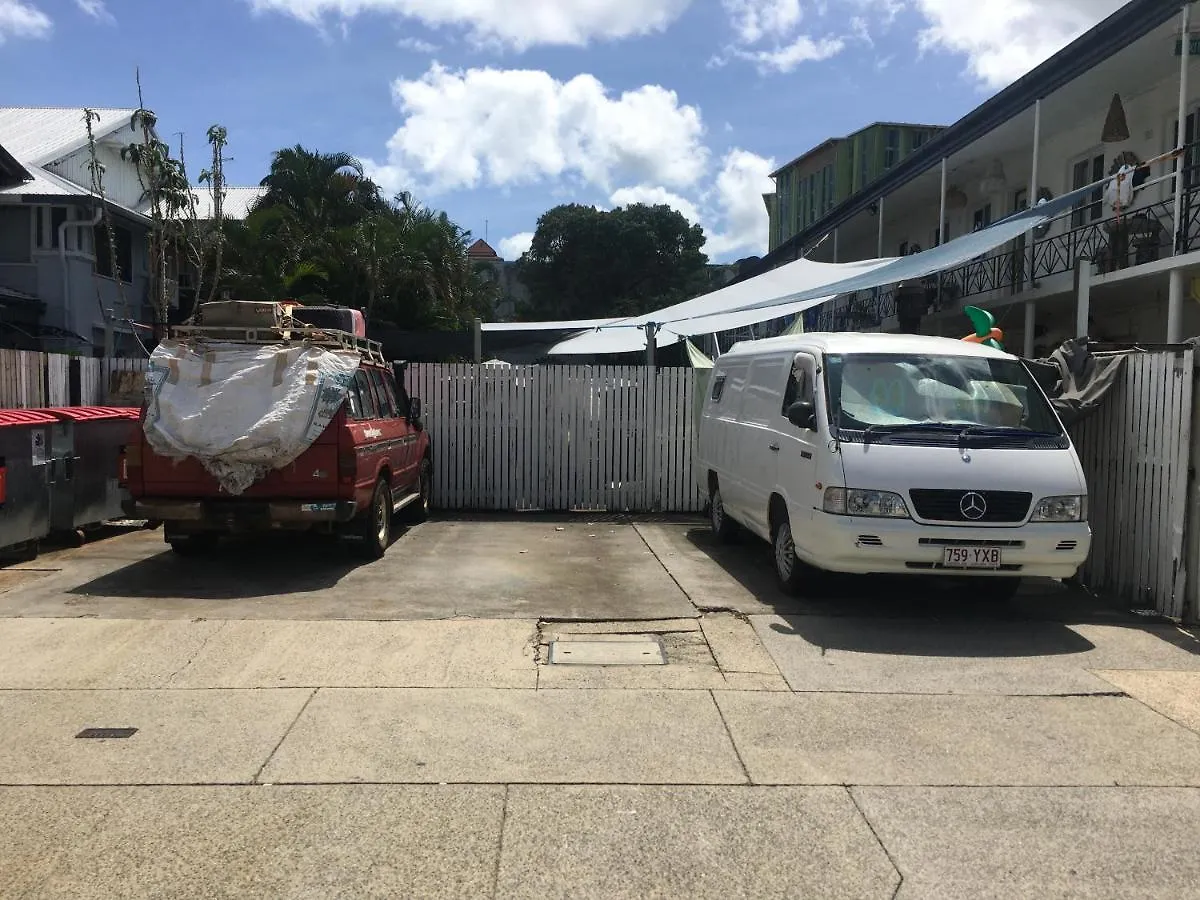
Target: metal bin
x: 87, y: 445
x: 24, y: 486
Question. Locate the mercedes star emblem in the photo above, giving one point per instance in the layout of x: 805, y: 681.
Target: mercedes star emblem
x: 972, y: 506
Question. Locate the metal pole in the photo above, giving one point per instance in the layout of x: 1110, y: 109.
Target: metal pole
x: 1175, y: 305
x: 478, y: 330
x: 650, y: 426
x: 1180, y: 231
x: 879, y: 250
x: 1027, y: 351
x: 941, y: 230
x: 835, y: 245
x: 1083, y: 295
x: 1030, y: 309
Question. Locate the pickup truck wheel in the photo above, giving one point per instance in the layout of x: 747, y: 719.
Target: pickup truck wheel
x: 375, y: 525
x: 789, y: 568
x: 418, y: 511
x: 723, y: 527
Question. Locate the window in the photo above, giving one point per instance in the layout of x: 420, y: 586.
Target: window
x: 1085, y: 172
x: 891, y: 147
x: 718, y: 388
x: 124, y: 247
x: 49, y: 218
x: 15, y: 244
x: 387, y: 402
x: 829, y: 189
x: 941, y: 237
x: 366, y: 400
x: 399, y: 396
x: 918, y: 138
x: 799, y: 386
x: 982, y: 217
x: 864, y: 160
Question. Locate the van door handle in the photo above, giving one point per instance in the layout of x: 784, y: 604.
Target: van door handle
x: 774, y: 447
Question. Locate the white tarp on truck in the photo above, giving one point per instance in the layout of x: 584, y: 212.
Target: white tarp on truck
x: 242, y: 410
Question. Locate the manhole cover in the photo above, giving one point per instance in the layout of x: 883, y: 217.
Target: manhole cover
x: 607, y: 653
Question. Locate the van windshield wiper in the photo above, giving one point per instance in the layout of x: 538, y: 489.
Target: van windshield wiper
x: 1020, y: 431
x: 940, y: 427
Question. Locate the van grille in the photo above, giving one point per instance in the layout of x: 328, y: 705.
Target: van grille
x: 938, y: 505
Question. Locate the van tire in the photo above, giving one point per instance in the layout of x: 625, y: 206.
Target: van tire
x: 418, y: 511
x: 723, y: 527
x: 789, y: 569
x: 999, y: 589
x: 375, y: 523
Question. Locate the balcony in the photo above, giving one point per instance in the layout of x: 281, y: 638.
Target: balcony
x: 1141, y: 235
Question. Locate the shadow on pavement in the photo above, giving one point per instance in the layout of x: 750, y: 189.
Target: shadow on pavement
x: 924, y: 616
x: 241, y: 568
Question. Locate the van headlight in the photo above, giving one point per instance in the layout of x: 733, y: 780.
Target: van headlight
x: 840, y: 501
x: 1060, y: 509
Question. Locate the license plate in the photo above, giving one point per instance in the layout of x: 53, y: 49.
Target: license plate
x: 971, y: 557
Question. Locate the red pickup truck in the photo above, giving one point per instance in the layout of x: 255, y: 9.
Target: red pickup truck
x: 371, y: 462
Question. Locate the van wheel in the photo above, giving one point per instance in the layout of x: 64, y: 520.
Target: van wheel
x: 375, y: 524
x: 723, y: 527
x: 418, y: 511
x: 994, y: 590
x: 789, y: 569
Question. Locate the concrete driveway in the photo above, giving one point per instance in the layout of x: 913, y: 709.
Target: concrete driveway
x: 308, y: 726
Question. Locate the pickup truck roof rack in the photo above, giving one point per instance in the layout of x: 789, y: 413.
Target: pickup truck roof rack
x: 371, y: 351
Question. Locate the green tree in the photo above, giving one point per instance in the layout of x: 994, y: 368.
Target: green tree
x: 589, y: 263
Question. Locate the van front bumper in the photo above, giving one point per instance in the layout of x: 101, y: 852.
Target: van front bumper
x: 889, y: 546
x: 239, y: 515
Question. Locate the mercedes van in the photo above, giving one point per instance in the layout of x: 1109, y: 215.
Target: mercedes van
x: 879, y: 453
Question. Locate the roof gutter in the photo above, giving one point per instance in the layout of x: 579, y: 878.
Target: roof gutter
x: 1128, y: 24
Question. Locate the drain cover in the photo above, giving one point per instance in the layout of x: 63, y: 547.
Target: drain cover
x: 107, y: 733
x: 607, y: 653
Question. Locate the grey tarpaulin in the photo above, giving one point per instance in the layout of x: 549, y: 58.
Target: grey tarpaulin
x: 1075, y: 379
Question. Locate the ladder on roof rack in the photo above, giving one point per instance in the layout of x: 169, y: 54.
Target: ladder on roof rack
x: 369, y: 350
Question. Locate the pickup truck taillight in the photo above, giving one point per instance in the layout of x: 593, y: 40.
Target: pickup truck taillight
x: 129, y: 462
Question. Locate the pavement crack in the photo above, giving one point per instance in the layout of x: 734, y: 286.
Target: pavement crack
x: 670, y: 574
x: 500, y: 842
x: 878, y: 840
x: 221, y: 626
x: 732, y: 742
x: 284, y: 737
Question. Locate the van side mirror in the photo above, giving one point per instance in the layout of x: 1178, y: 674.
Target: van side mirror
x: 414, y: 410
x: 803, y: 414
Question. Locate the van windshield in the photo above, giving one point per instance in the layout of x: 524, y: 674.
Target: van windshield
x: 907, y: 398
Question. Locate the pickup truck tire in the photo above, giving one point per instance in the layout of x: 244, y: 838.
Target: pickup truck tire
x: 418, y: 511
x: 375, y: 523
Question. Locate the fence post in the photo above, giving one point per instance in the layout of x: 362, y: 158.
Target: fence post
x: 650, y: 426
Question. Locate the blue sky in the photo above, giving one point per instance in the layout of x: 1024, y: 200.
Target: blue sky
x: 496, y: 110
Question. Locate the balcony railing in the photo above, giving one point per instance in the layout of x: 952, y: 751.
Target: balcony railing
x: 1137, y: 236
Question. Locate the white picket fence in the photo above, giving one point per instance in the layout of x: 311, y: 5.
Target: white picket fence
x: 29, y: 379
x: 559, y: 438
x: 1135, y: 451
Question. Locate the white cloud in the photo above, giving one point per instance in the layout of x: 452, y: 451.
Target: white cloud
x: 416, y: 45
x: 21, y: 20
x: 752, y: 20
x: 97, y: 10
x: 784, y: 59
x: 741, y: 227
x: 657, y: 196
x: 513, y: 247
x: 502, y: 127
x: 515, y: 23
x: 1003, y: 41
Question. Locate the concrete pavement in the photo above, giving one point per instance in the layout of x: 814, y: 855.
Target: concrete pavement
x: 299, y: 738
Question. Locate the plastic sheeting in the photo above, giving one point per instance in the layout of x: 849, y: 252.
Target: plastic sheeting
x: 803, y: 284
x: 242, y: 410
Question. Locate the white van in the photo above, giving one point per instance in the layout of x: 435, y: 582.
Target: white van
x: 879, y: 453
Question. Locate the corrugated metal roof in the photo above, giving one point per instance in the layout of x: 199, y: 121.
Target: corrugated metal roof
x: 37, y: 135
x: 238, y: 201
x: 45, y: 184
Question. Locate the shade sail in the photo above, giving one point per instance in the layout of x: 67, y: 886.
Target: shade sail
x: 799, y: 286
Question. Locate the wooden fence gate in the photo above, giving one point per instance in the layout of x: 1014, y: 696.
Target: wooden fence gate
x: 559, y: 438
x: 1135, y: 451
x: 30, y: 379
